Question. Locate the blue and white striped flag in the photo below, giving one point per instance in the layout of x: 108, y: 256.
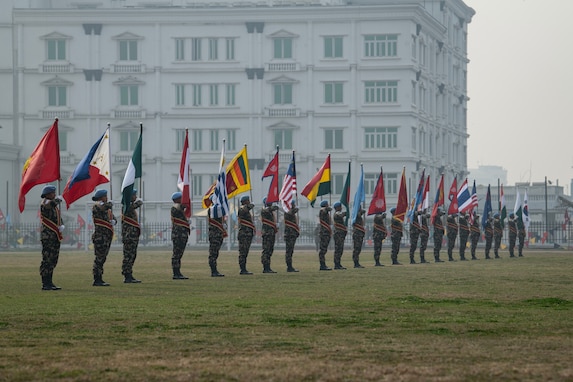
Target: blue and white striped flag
x: 220, y: 206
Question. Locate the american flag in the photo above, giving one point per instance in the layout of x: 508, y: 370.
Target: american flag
x: 288, y: 192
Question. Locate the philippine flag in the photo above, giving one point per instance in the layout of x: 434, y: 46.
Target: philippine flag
x: 92, y: 170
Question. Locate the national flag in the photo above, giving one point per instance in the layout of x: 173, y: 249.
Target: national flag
x: 206, y: 201
x: 487, y: 209
x: 474, y: 203
x: 566, y: 220
x: 81, y: 224
x: 220, y: 200
x: 345, y: 196
x: 319, y: 184
x: 42, y: 166
x: 93, y: 169
x: 525, y: 212
x: 132, y: 172
x: 503, y: 209
x: 2, y: 222
x: 238, y: 178
x: 439, y: 199
x: 288, y: 191
x: 402, y: 205
x: 378, y: 202
x: 183, y: 177
x: 272, y: 170
x: 464, y: 197
x: 359, y: 196
x: 453, y: 198
x: 418, y: 196
x: 425, y: 196
x: 518, y: 208
x: 1, y: 214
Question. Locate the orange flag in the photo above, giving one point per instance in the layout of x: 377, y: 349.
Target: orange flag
x: 402, y: 205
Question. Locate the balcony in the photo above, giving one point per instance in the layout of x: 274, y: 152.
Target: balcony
x: 282, y: 67
x: 51, y: 114
x: 128, y: 114
x: 121, y: 159
x: 282, y: 112
x: 60, y: 67
x: 128, y: 68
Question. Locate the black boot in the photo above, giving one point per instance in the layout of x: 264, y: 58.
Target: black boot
x: 215, y: 272
x: 323, y: 267
x: 395, y: 261
x: 412, y: 261
x: 378, y: 263
x: 357, y: 265
x: 51, y: 282
x: 45, y: 283
x: 423, y: 258
x: 290, y: 267
x: 177, y: 275
x: 129, y: 279
x: 244, y: 270
x: 338, y: 266
x: 267, y: 269
x: 99, y: 282
x: 462, y: 258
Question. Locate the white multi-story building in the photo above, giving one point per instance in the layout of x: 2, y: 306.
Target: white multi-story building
x: 377, y: 82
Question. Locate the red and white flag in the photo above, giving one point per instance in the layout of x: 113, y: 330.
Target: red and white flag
x: 272, y: 170
x: 288, y: 191
x: 183, y: 178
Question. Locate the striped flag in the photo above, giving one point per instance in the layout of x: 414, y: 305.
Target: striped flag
x: 464, y: 198
x: 183, y: 178
x: 132, y: 172
x: 219, y: 198
x: 319, y: 184
x: 288, y: 191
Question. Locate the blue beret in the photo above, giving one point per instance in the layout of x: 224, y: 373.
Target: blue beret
x: 392, y: 210
x: 337, y: 204
x: 245, y: 199
x: 264, y: 201
x: 496, y: 215
x: 99, y: 194
x: 134, y: 191
x: 176, y: 195
x: 47, y: 190
x: 324, y: 203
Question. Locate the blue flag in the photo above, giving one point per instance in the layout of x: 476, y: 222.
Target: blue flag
x: 486, y: 208
x: 359, y: 197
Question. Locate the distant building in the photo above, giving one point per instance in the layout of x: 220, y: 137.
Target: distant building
x: 484, y: 175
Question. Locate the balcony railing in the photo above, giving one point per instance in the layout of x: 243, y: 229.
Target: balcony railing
x: 283, y: 112
x: 128, y: 68
x: 125, y: 114
x: 51, y: 114
x: 283, y: 67
x: 65, y: 67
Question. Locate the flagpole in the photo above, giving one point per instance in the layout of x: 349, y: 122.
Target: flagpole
x: 296, y: 189
x: 141, y: 178
x: 189, y: 173
x: 109, y: 159
x: 329, y: 181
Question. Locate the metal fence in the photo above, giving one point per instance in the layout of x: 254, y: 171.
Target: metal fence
x: 158, y: 234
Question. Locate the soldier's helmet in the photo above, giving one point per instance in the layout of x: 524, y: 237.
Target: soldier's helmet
x: 337, y: 205
x: 392, y: 210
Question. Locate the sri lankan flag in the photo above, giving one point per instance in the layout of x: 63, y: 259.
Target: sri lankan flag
x: 319, y: 184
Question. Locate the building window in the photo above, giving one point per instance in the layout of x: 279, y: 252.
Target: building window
x: 179, y: 140
x: 213, y: 95
x: 333, y: 139
x: 128, y: 140
x: 338, y: 181
x: 57, y: 96
x: 282, y: 94
x: 196, y: 95
x: 333, y: 47
x: 231, y: 139
x: 283, y: 139
x: 129, y: 95
x: 197, y: 185
x: 391, y: 183
x: 56, y: 49
x: 196, y: 49
x: 282, y: 47
x: 385, y: 45
x: 179, y: 49
x: 380, y: 137
x: 230, y: 90
x: 414, y: 139
x: 63, y: 140
x: 213, y: 49
x: 197, y: 140
x: 230, y: 49
x: 128, y: 50
x: 333, y: 92
x: 214, y: 140
x: 381, y: 91
x: 370, y: 180
x: 180, y: 95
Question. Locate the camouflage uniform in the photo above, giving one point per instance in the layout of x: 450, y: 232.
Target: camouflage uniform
x: 452, y: 235
x: 474, y: 236
x: 130, y: 232
x: 325, y: 235
x: 269, y: 228
x: 488, y: 234
x: 217, y: 233
x: 464, y: 234
x: 520, y: 236
x: 358, y: 233
x: 291, y: 233
x: 438, y: 236
x: 51, y: 238
x: 497, y: 235
x: 379, y: 233
x: 340, y: 231
x: 396, y: 237
x: 424, y: 236
x: 180, y: 231
x: 512, y: 227
x: 103, y: 234
x: 414, y: 234
x: 245, y: 234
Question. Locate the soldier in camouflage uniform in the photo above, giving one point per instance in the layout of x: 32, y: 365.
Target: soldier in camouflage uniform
x: 438, y: 234
x: 424, y: 236
x: 512, y: 227
x: 475, y: 233
x: 340, y: 231
x: 180, y: 231
x: 246, y: 233
x: 464, y: 234
x: 51, y: 235
x: 396, y: 236
x: 358, y: 233
x: 291, y: 233
x: 379, y: 233
x: 414, y: 234
x: 520, y: 236
x: 325, y: 234
x: 269, y: 234
x: 497, y: 234
x: 103, y: 233
x: 217, y: 233
x: 452, y: 227
x: 130, y: 231
x: 488, y: 234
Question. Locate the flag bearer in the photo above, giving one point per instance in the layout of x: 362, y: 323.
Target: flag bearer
x: 51, y: 235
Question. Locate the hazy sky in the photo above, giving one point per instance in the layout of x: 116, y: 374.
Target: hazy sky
x: 520, y: 84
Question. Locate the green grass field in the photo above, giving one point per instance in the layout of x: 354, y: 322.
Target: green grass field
x: 507, y: 319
